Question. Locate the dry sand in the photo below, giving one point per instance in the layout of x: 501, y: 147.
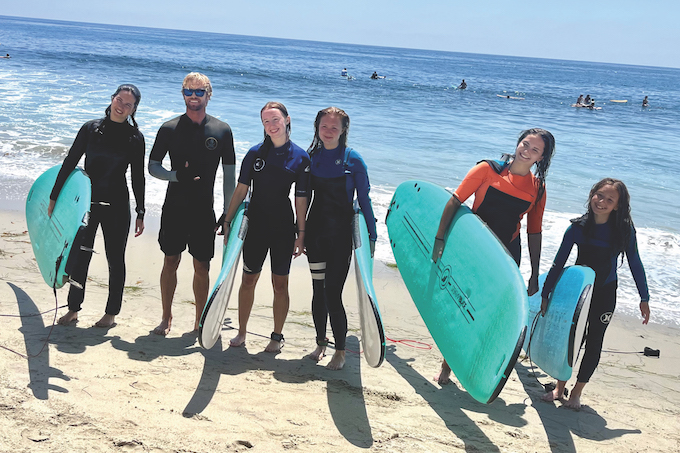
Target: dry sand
x: 125, y: 389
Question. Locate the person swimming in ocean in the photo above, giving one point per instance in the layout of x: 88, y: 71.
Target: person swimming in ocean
x: 344, y: 72
x: 645, y: 101
x: 579, y: 101
x: 462, y: 85
x: 374, y: 75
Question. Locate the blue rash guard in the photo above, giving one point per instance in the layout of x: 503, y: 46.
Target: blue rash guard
x: 597, y: 252
x: 336, y: 163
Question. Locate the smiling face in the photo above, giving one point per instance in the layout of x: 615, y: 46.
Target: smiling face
x: 604, y: 201
x: 330, y: 130
x: 122, y: 106
x: 275, y: 126
x: 530, y: 150
x: 193, y: 102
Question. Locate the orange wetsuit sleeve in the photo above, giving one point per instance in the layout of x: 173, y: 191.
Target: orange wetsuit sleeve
x: 472, y: 182
x: 535, y: 216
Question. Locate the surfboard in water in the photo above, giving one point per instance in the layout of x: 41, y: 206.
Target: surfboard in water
x: 212, y: 318
x: 56, y: 240
x: 473, y: 300
x: 555, y: 339
x: 372, y: 333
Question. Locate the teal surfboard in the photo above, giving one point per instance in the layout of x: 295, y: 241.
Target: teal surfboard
x: 555, y: 339
x: 212, y: 318
x: 56, y: 240
x: 473, y: 300
x: 372, y: 333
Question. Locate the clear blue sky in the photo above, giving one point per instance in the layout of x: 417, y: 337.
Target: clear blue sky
x: 640, y: 32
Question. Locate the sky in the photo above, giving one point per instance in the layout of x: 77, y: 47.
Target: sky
x: 611, y: 31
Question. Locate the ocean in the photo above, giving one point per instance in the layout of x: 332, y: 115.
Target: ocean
x: 414, y: 124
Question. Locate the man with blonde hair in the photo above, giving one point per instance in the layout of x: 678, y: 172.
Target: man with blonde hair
x: 196, y: 143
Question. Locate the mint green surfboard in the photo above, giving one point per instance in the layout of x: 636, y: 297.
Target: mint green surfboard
x: 56, y: 240
x: 212, y: 318
x: 372, y: 333
x: 473, y: 300
x: 554, y: 340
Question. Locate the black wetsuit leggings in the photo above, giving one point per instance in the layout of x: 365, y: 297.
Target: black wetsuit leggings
x: 115, y: 222
x: 329, y: 259
x: 602, y: 307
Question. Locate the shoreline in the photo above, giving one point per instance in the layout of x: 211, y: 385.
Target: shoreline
x: 111, y: 389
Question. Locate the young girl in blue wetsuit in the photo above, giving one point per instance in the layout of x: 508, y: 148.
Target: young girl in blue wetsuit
x: 601, y: 235
x: 336, y: 173
x: 269, y: 169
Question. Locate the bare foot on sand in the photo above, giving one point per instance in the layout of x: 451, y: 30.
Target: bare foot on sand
x: 553, y: 395
x: 318, y: 354
x: 164, y: 327
x: 574, y: 401
x: 274, y: 346
x: 68, y: 318
x: 444, y: 375
x: 337, y: 361
x: 106, y: 321
x: 238, y: 341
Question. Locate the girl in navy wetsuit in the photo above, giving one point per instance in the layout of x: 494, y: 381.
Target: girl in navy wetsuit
x: 601, y: 235
x: 270, y: 169
x: 336, y: 173
x: 110, y: 145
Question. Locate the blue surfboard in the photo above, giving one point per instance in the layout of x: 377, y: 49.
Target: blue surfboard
x: 56, y: 240
x: 555, y: 339
x: 372, y: 333
x: 473, y: 300
x: 212, y: 318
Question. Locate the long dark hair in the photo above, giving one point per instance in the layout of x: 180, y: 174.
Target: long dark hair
x: 134, y: 91
x: 541, y: 170
x: 317, y: 143
x: 267, y: 144
x: 620, y: 219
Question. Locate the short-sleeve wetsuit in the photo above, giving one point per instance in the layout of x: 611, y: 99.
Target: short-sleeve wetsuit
x: 502, y: 199
x: 270, y: 172
x: 335, y: 176
x: 596, y: 250
x: 109, y: 149
x: 188, y: 216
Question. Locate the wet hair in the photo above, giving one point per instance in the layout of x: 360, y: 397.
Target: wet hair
x: 134, y: 91
x: 200, y: 78
x: 267, y: 144
x: 620, y: 219
x: 541, y: 170
x: 317, y: 143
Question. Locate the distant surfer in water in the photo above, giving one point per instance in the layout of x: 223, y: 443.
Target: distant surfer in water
x: 337, y: 172
x: 508, y: 183
x: 6, y: 56
x: 462, y: 85
x: 344, y: 72
x: 601, y: 235
x: 110, y: 145
x: 579, y: 101
x: 375, y: 76
x: 645, y: 101
x: 270, y: 169
x: 196, y: 144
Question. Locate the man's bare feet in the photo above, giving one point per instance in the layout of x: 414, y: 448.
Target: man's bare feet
x: 318, y: 354
x: 238, y: 341
x: 164, y: 327
x: 274, y: 346
x: 68, y: 318
x: 337, y: 361
x: 106, y: 321
x: 444, y: 375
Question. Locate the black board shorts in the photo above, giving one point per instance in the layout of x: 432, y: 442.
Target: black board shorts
x: 180, y: 228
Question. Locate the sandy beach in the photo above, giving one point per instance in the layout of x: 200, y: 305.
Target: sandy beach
x: 125, y: 389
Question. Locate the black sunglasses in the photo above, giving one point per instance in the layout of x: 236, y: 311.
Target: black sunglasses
x: 188, y: 92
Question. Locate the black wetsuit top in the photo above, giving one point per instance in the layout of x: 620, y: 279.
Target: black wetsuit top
x: 203, y: 146
x: 109, y: 148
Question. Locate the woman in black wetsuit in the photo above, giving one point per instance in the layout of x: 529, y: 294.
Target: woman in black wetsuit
x: 337, y: 172
x: 110, y: 145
